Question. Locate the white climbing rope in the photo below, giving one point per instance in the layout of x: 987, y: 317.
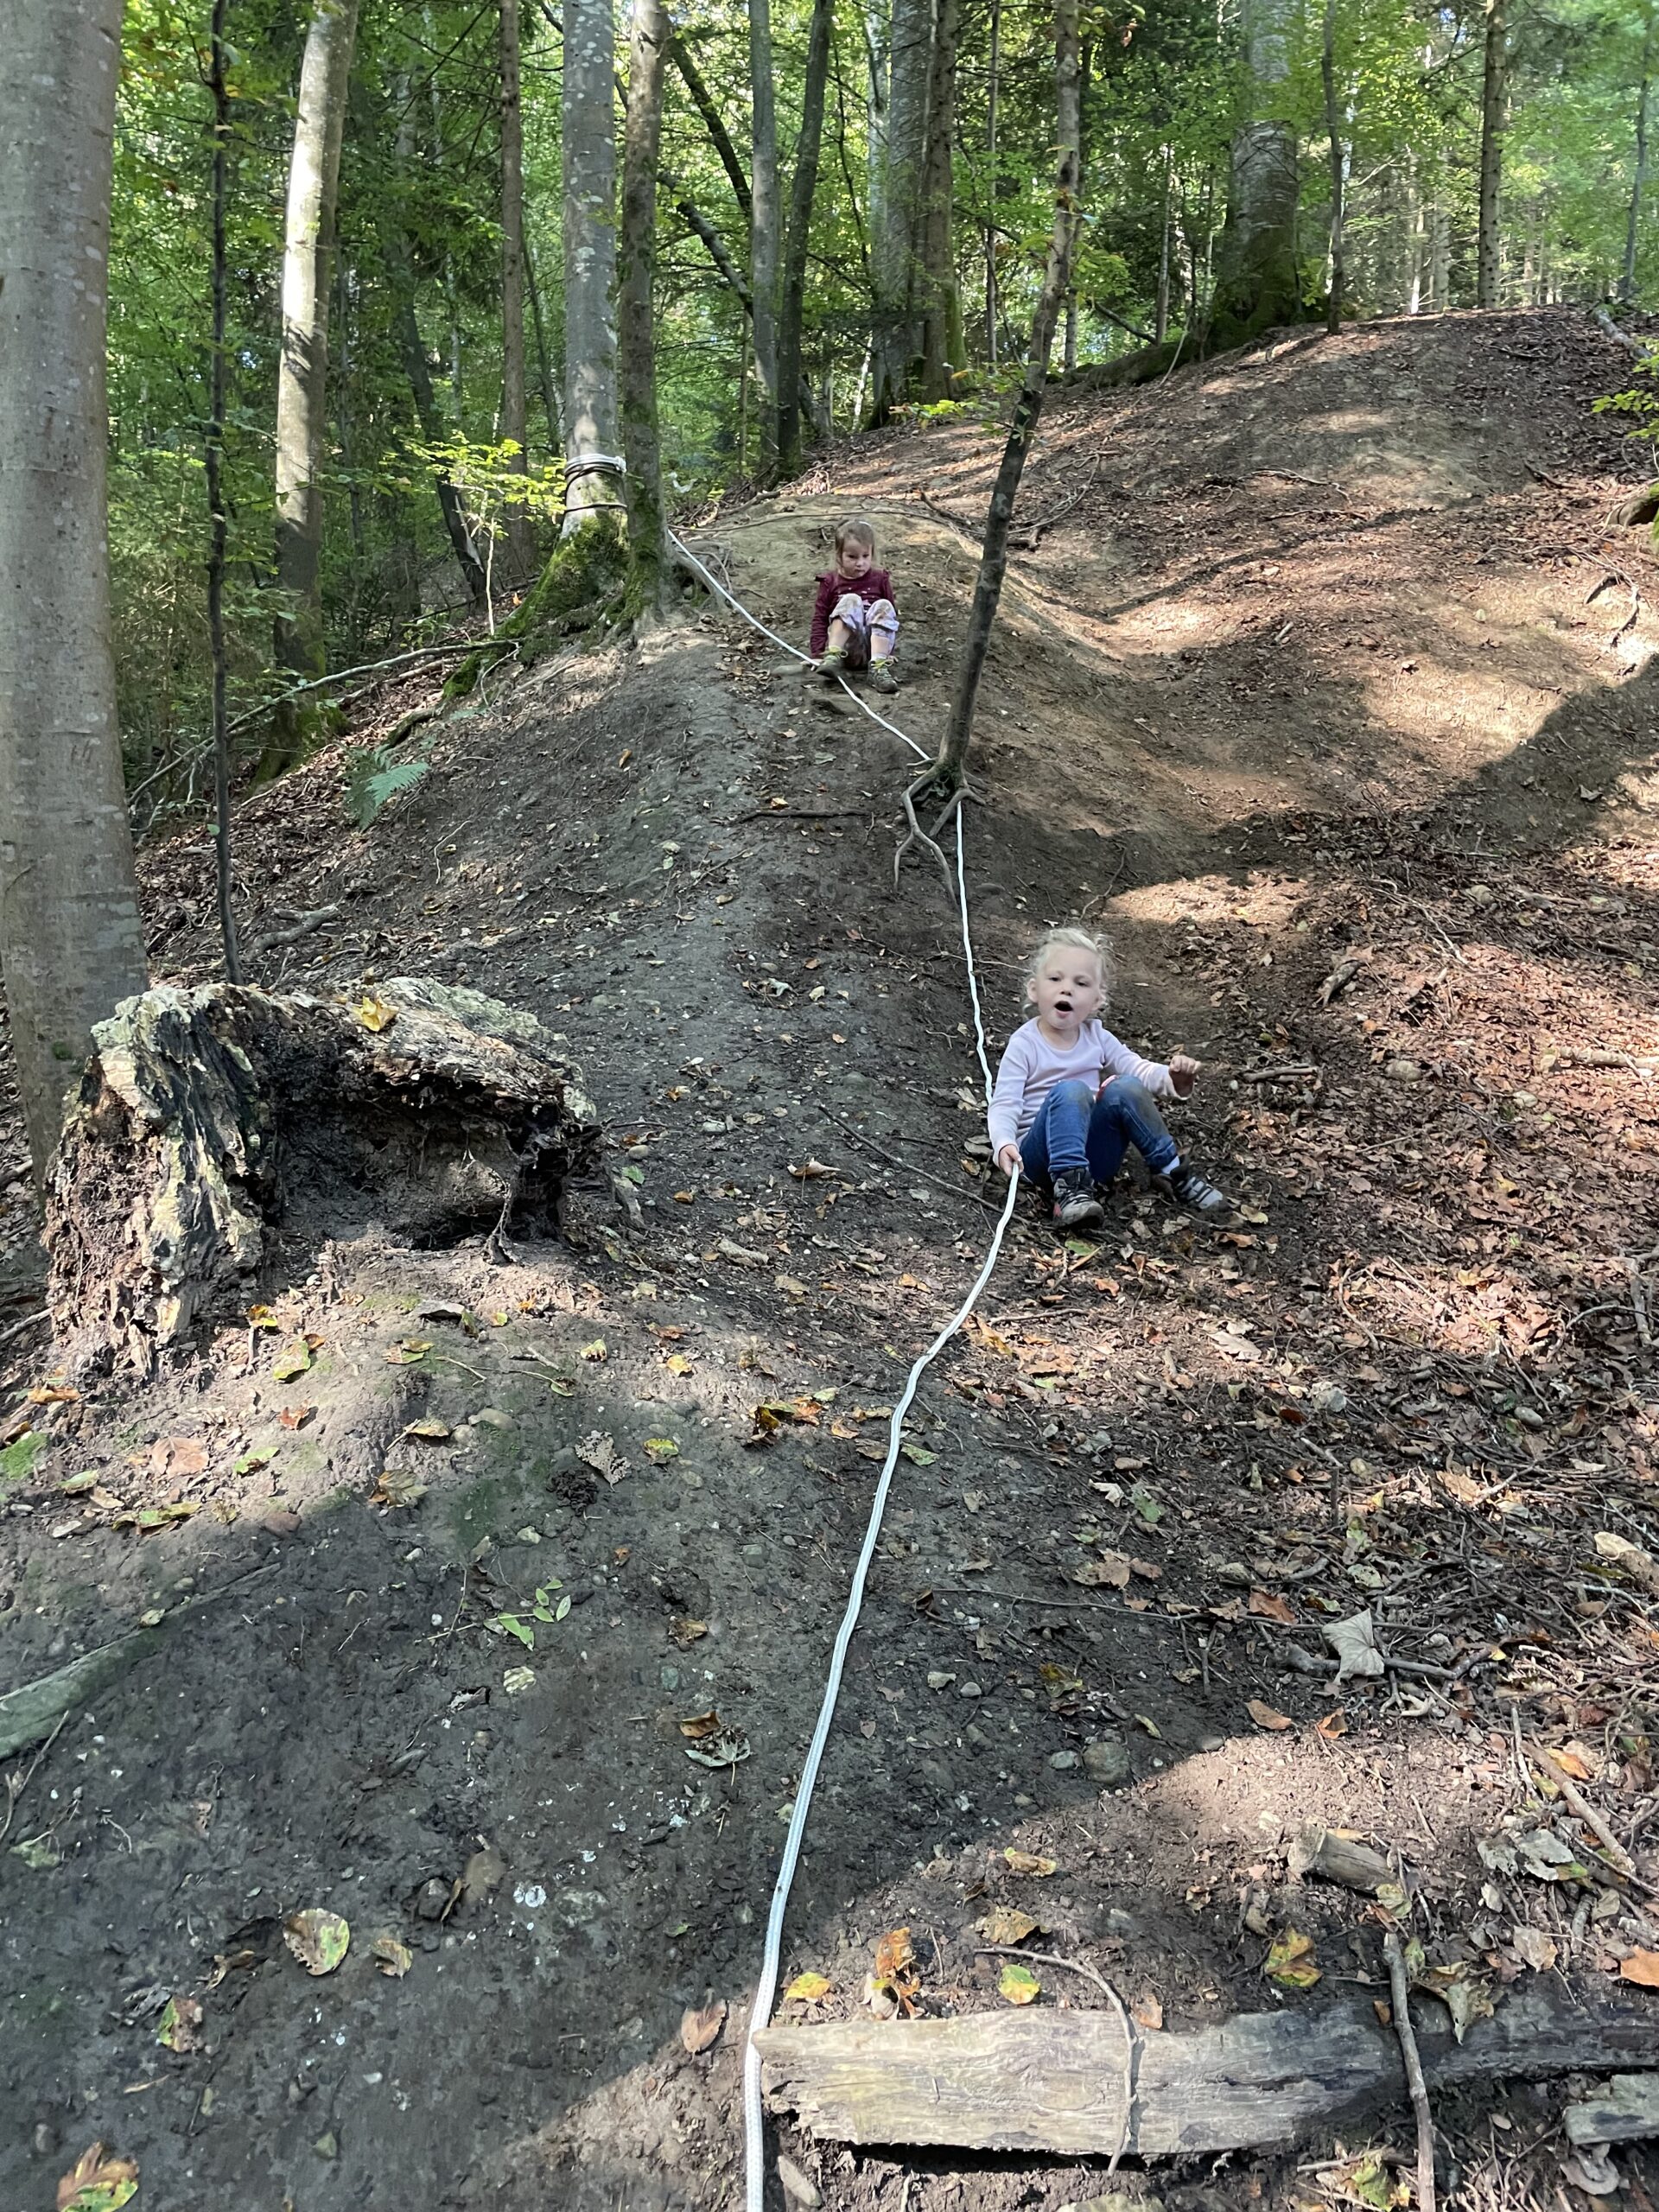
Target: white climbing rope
x: 767, y: 1986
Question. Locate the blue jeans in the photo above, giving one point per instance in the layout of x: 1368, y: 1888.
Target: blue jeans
x: 1073, y: 1129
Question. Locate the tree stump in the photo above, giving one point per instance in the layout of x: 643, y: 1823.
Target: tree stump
x: 222, y: 1135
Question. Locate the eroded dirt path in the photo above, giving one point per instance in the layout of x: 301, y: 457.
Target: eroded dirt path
x: 1266, y: 730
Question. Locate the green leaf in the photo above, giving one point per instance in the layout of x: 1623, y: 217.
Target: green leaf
x: 293, y: 1358
x: 562, y: 1608
x: 17, y: 1460
x: 510, y: 1625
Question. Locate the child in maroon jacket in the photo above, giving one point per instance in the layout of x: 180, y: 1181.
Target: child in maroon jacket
x: 854, y: 623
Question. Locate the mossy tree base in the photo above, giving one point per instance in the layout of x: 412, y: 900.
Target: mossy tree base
x: 584, y: 577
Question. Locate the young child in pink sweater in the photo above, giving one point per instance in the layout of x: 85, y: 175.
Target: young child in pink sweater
x: 855, y: 623
x: 1053, y: 1116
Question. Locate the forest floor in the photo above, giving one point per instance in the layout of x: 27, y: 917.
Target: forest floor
x: 1323, y: 697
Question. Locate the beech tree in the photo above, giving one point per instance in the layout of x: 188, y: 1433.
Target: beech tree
x: 648, y: 53
x: 589, y: 164
x: 514, y: 427
x: 1257, y: 282
x: 303, y: 379
x: 70, y: 943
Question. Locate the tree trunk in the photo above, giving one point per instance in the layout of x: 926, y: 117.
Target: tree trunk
x: 590, y: 430
x: 647, y: 52
x: 70, y: 941
x: 1160, y: 325
x: 948, y: 769
x: 411, y: 348
x: 302, y: 374
x: 803, y: 191
x: 941, y: 303
x: 1257, y: 283
x: 1494, y: 75
x: 763, y: 228
x: 209, y: 1118
x: 1333, y: 133
x: 551, y: 410
x: 515, y: 414
x: 214, y: 457
x: 898, y: 338
x: 992, y: 90
x: 1638, y: 182
x: 704, y: 99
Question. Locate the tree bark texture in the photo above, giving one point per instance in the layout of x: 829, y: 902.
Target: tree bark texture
x: 214, y: 457
x: 764, y: 227
x: 1333, y: 133
x: 941, y: 299
x: 1638, y: 182
x: 515, y: 412
x: 1257, y: 283
x: 647, y: 52
x: 302, y: 373
x: 70, y: 941
x: 803, y: 191
x: 590, y: 426
x: 1055, y: 2082
x: 222, y: 1134
x: 898, y: 334
x: 1494, y: 89
x: 1056, y: 275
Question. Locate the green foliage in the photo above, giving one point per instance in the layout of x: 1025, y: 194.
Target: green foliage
x: 373, y: 775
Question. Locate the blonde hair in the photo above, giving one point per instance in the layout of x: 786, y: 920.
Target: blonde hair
x: 853, y: 527
x: 1075, y: 940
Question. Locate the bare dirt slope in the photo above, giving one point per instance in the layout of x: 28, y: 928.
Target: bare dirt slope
x: 1323, y: 678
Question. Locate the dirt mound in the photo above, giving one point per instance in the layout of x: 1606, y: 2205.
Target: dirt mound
x: 1358, y: 772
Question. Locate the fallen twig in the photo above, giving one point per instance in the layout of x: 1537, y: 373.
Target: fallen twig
x: 1621, y: 1860
x: 1309, y: 1662
x: 274, y: 939
x: 1279, y: 1075
x: 1089, y: 1973
x: 16, y: 1784
x: 17, y: 1328
x: 1414, y: 2064
x: 1638, y: 1304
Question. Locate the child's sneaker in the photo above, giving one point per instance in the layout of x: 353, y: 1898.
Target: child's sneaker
x: 1076, y: 1205
x: 1191, y: 1190
x: 882, y: 677
x: 831, y: 664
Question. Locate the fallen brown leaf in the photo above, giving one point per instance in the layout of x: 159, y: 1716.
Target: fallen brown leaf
x: 1265, y: 1716
x: 700, y: 2025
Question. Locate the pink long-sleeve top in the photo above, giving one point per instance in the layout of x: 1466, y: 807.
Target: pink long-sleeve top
x: 1033, y: 1066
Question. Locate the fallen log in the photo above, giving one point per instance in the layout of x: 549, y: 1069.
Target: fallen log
x: 1055, y: 2081
x: 222, y: 1135
x: 1624, y: 2110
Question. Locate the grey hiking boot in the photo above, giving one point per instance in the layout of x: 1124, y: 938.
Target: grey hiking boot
x: 882, y: 679
x: 831, y: 666
x: 1076, y: 1205
x: 1190, y: 1189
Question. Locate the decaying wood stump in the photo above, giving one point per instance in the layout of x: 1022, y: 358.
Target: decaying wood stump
x: 221, y: 1134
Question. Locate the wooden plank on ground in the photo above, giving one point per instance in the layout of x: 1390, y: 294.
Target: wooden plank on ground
x: 1054, y: 2081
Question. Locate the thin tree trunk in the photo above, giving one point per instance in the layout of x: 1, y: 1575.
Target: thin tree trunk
x: 909, y: 70
x: 515, y: 413
x: 703, y: 101
x: 948, y: 769
x: 302, y: 375
x: 590, y: 431
x: 763, y: 225
x: 550, y: 384
x: 878, y: 70
x: 648, y: 53
x: 1160, y: 325
x: 941, y: 304
x: 1333, y: 133
x: 1493, y: 87
x: 214, y: 459
x: 990, y: 148
x: 70, y: 942
x: 416, y: 368
x: 1638, y: 182
x: 803, y: 191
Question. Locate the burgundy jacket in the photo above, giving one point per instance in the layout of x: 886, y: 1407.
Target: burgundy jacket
x: 874, y: 584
